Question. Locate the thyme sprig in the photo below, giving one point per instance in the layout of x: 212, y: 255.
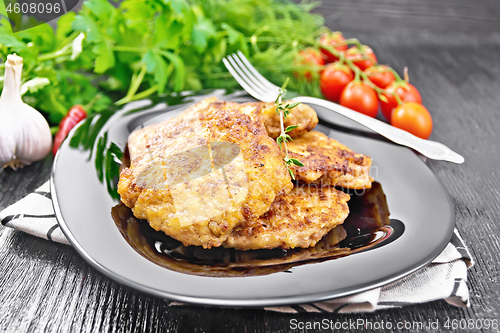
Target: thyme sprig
x: 283, y: 110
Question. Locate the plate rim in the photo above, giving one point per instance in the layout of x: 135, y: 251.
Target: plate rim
x: 224, y: 302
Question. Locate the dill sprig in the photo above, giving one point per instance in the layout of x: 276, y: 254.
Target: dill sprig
x: 283, y: 109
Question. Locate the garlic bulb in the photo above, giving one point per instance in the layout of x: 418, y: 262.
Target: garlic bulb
x: 24, y: 133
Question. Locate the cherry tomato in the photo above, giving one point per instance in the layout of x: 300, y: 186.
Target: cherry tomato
x: 74, y: 116
x: 355, y: 54
x: 380, y: 76
x: 414, y: 118
x: 331, y: 39
x: 360, y: 97
x: 334, y: 79
x: 406, y: 91
x: 310, y: 57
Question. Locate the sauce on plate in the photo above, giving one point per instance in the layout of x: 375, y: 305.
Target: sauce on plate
x: 367, y: 227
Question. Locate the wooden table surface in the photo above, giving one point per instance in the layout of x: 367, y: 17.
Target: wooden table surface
x: 452, y: 49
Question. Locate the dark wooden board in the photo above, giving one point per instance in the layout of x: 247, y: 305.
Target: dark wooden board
x: 414, y: 16
x: 47, y: 286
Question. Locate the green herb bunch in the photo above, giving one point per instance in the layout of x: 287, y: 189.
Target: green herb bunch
x: 137, y: 49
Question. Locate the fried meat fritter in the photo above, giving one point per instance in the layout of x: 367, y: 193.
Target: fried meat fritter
x: 199, y: 175
x: 302, y: 115
x: 297, y: 219
x: 328, y: 163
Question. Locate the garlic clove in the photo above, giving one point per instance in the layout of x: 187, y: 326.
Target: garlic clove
x: 24, y: 133
x: 7, y: 142
x: 34, y: 139
x: 12, y: 80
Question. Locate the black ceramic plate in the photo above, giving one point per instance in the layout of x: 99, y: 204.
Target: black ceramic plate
x: 415, y: 197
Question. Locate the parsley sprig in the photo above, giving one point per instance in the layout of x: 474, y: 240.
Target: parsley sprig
x: 283, y: 109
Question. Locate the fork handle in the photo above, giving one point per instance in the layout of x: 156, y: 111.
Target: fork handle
x: 432, y: 149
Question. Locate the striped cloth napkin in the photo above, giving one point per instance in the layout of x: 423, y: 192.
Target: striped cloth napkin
x: 443, y: 279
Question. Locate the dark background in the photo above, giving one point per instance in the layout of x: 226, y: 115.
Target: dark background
x: 451, y: 17
x: 452, y: 49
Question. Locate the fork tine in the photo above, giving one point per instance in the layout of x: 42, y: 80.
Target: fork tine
x: 240, y: 80
x: 261, y: 86
x: 239, y: 74
x: 261, y: 79
x: 248, y: 77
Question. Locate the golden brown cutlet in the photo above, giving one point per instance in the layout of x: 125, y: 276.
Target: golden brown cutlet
x: 213, y: 176
x: 297, y: 219
x: 329, y: 163
x: 326, y: 161
x: 302, y: 115
x: 181, y: 181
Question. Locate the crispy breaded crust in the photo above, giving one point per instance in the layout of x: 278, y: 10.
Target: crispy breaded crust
x: 302, y: 115
x: 298, y: 219
x: 202, y: 173
x: 329, y: 163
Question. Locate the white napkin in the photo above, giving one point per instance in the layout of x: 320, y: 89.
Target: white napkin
x: 34, y: 215
x: 444, y: 278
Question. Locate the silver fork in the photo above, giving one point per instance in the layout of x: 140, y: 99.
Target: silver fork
x: 260, y: 88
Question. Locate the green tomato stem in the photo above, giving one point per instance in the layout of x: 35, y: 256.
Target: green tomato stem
x: 396, y: 75
x: 358, y: 72
x: 398, y: 99
x: 348, y: 42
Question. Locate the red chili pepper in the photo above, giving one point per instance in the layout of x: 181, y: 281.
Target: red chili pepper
x: 74, y: 116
